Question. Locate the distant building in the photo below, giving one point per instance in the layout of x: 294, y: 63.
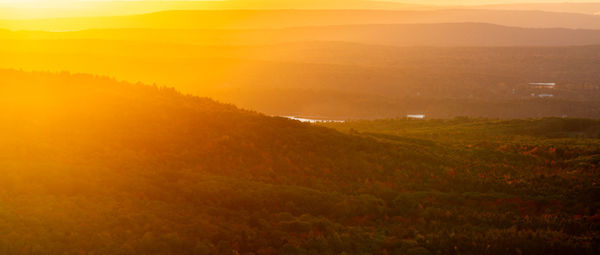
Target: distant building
x: 545, y: 95
x: 415, y: 116
x: 310, y: 120
x: 541, y: 85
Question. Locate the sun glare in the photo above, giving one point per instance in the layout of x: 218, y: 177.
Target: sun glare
x: 265, y: 127
x: 31, y: 9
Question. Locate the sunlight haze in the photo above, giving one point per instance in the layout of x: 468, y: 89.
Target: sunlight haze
x: 25, y: 9
x: 294, y: 127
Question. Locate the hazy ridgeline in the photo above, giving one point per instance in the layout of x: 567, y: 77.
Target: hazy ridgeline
x: 257, y: 19
x: 335, y: 63
x: 367, y: 71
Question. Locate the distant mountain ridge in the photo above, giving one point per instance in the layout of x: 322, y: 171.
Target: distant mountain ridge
x: 445, y: 35
x: 118, y: 8
x: 262, y: 19
x: 584, y: 8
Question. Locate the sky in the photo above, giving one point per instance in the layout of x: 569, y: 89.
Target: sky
x: 434, y: 2
x: 484, y: 2
x: 25, y: 9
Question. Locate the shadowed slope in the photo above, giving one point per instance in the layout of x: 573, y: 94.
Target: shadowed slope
x: 98, y: 116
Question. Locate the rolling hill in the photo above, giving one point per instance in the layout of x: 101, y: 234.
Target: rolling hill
x: 333, y: 79
x: 332, y: 68
x: 572, y: 7
x: 401, y: 35
x: 270, y: 19
x: 92, y: 165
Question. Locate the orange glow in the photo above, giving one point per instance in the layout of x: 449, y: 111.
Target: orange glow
x: 265, y: 127
x: 24, y: 9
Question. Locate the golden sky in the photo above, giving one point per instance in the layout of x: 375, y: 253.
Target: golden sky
x: 40, y: 3
x: 24, y: 9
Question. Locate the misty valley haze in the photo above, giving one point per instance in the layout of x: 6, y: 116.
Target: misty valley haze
x: 299, y: 127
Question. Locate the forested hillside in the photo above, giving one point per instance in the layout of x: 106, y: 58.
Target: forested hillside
x: 91, y: 165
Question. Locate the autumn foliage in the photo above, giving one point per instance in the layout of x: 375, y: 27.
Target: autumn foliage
x: 90, y: 165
